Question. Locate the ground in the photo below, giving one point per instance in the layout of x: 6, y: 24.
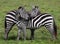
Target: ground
x: 42, y: 36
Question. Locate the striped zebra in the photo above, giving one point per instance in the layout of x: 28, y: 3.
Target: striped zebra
x: 13, y: 17
x: 37, y: 19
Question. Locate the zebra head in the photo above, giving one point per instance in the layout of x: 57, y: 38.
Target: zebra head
x: 35, y: 11
x: 22, y: 13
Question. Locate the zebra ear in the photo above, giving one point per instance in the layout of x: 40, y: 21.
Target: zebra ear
x: 35, y: 7
x: 20, y: 7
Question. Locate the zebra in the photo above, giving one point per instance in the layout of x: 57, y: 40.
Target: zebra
x: 13, y: 17
x: 38, y: 19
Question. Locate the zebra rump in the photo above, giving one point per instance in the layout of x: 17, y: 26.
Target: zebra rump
x: 10, y: 18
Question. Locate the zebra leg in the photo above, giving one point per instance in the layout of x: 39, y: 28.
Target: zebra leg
x: 21, y: 27
x: 7, y: 30
x: 32, y: 34
x: 51, y: 29
x: 19, y: 30
x: 6, y: 33
x: 24, y: 31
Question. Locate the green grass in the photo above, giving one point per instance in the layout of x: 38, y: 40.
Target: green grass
x: 42, y: 36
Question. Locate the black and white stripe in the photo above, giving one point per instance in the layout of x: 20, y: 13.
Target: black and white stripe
x: 11, y: 17
x: 43, y: 19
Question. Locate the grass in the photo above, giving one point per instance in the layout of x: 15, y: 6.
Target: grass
x: 42, y: 36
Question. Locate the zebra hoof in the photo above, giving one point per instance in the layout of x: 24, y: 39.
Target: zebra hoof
x: 5, y: 39
x: 31, y: 38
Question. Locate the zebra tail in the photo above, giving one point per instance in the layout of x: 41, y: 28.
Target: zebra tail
x: 55, y: 29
